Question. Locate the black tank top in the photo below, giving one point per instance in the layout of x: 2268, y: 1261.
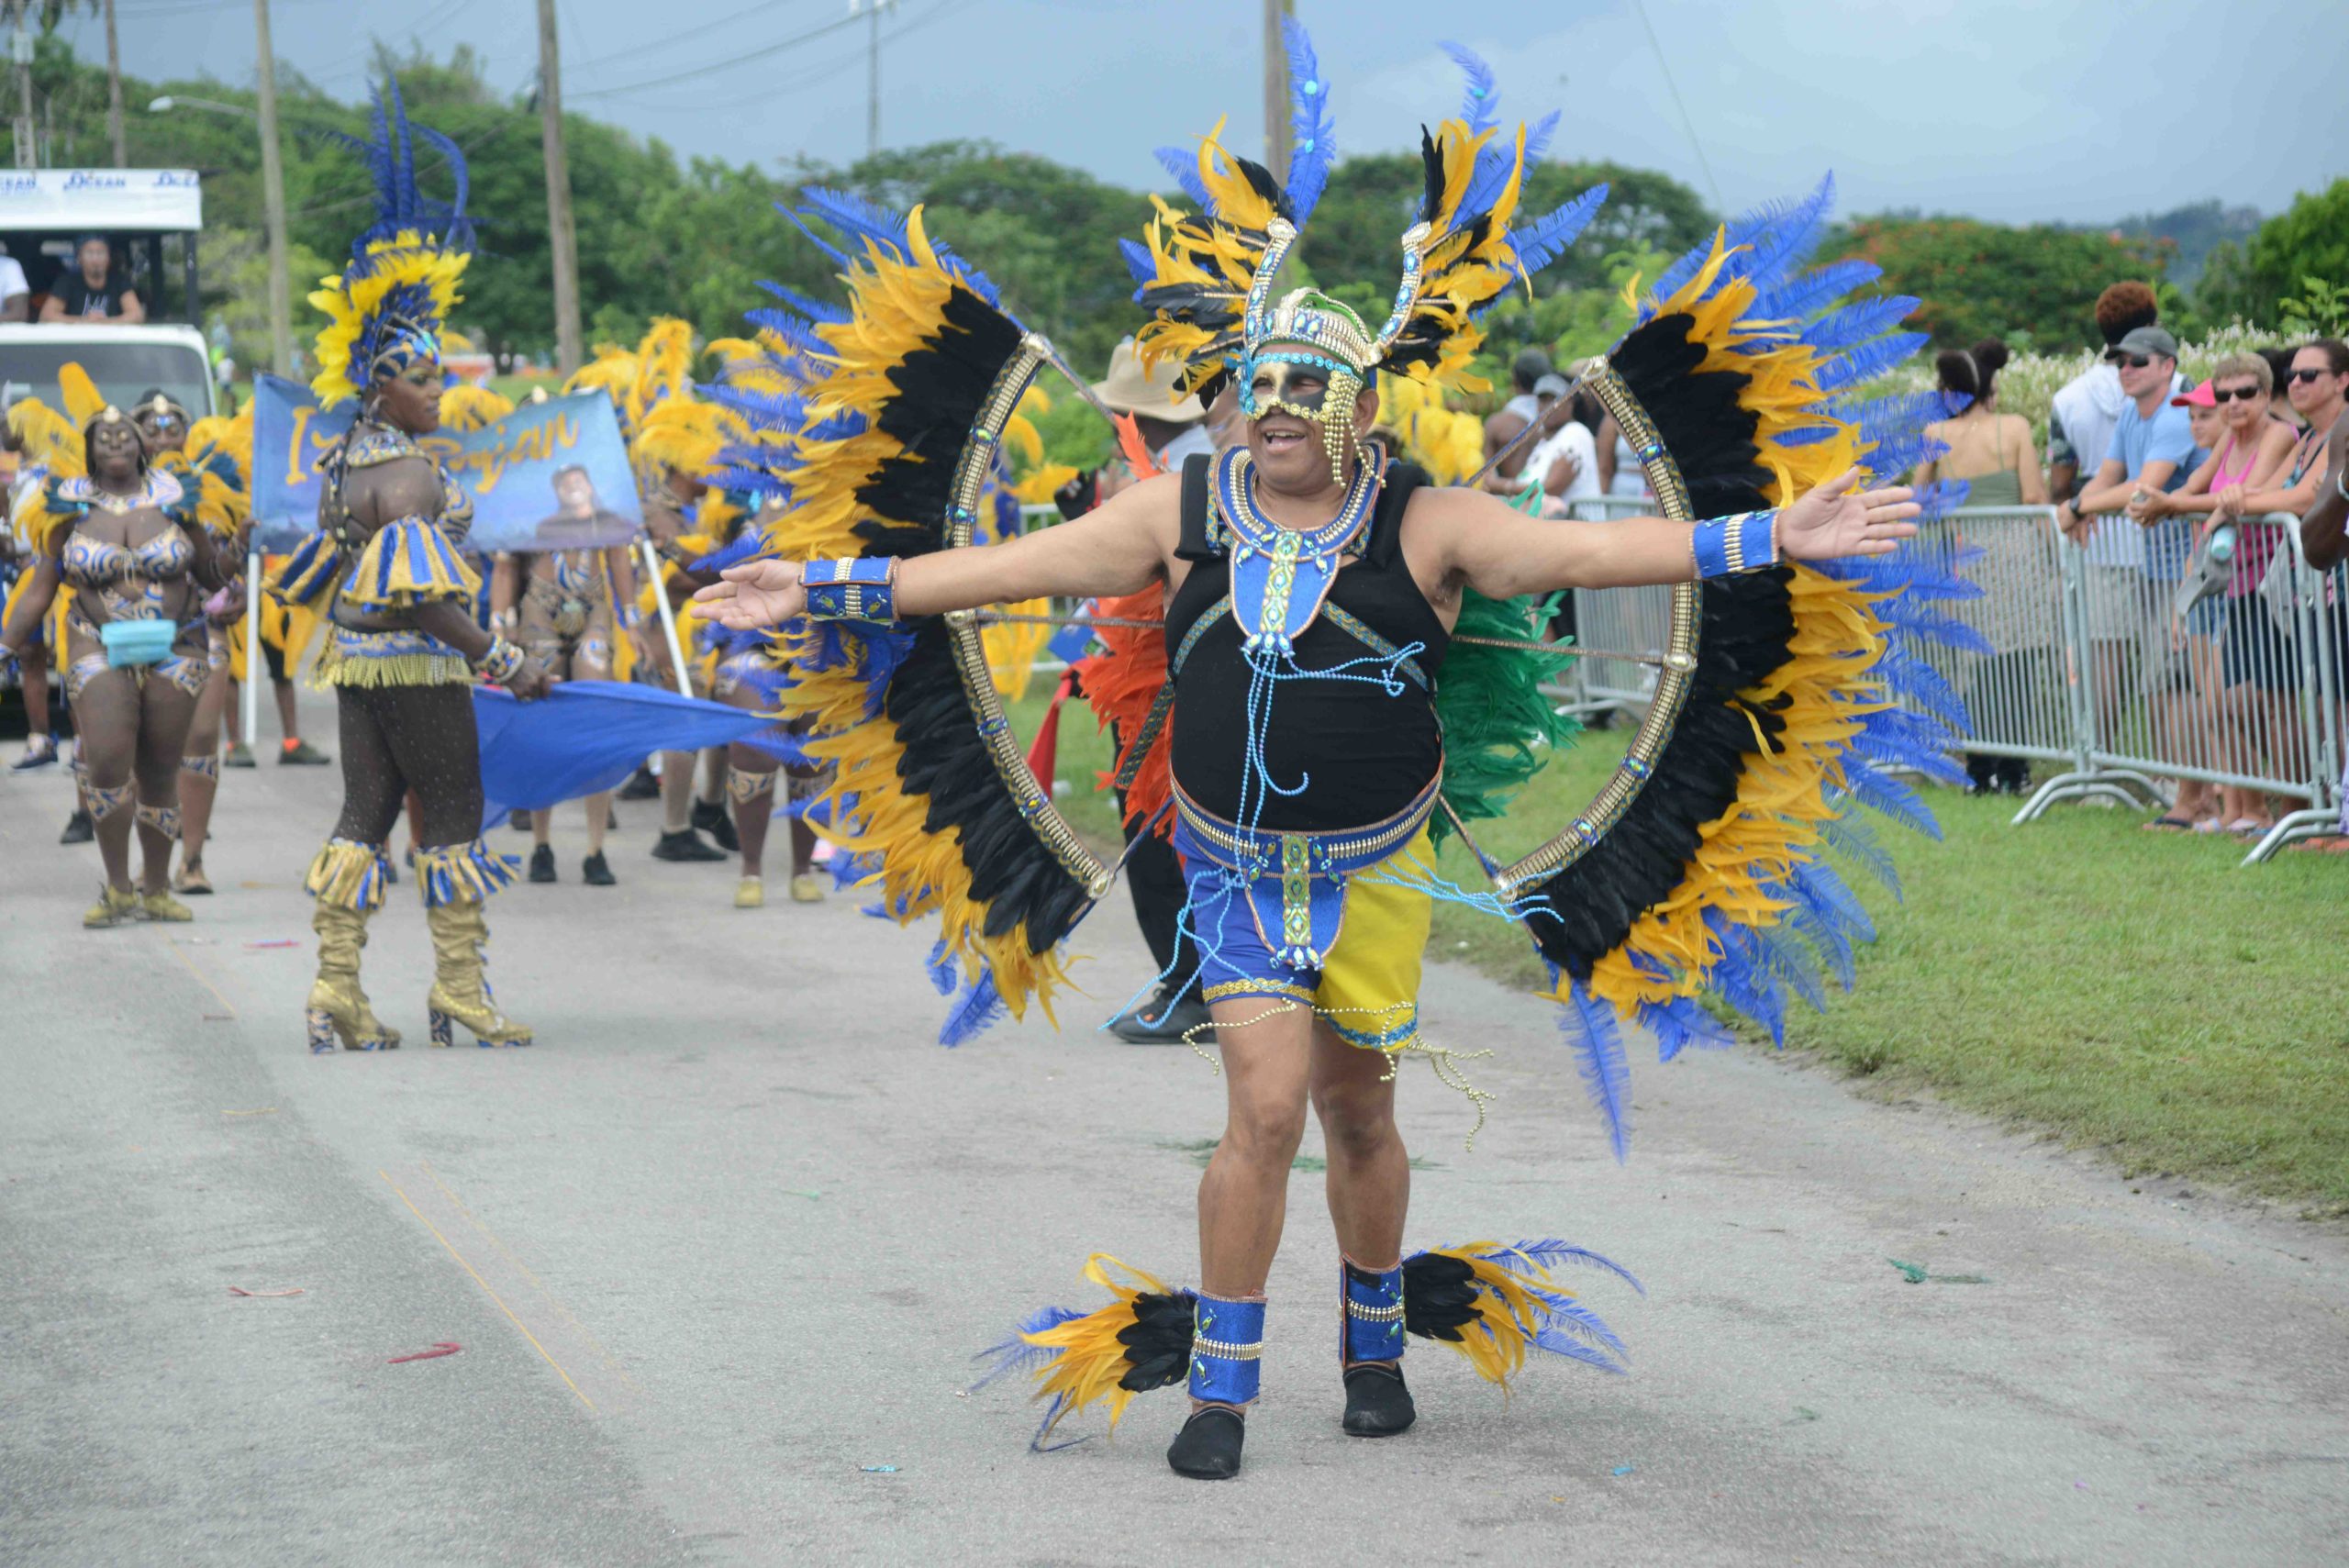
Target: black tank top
x: 1366, y: 751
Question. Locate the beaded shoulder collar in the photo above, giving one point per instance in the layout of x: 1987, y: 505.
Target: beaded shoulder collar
x: 1269, y: 562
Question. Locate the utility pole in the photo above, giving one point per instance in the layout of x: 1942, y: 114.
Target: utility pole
x: 1277, y: 125
x: 114, y: 92
x: 873, y: 9
x: 562, y: 240
x: 272, y: 196
x: 20, y: 43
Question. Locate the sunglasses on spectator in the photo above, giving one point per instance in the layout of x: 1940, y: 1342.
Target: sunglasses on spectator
x: 2134, y: 361
x: 2222, y: 393
x: 2304, y: 375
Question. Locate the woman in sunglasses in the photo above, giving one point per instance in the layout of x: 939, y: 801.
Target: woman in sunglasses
x: 2319, y: 391
x: 2240, y: 680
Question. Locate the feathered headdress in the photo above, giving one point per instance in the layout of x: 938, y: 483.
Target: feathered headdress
x: 387, y: 308
x: 1208, y: 277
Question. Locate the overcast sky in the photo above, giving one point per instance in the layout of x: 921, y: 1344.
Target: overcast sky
x: 2018, y: 110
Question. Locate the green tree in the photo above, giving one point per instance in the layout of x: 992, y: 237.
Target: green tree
x: 2309, y: 239
x: 1979, y: 280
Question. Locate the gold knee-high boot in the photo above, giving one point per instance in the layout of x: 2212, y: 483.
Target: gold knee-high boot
x: 457, y: 879
x: 348, y: 879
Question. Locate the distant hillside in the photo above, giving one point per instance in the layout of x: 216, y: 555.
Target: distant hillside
x: 2194, y: 230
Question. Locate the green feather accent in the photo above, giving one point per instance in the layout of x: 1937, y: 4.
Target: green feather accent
x: 1498, y: 729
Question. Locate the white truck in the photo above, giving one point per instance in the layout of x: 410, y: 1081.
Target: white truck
x: 151, y: 217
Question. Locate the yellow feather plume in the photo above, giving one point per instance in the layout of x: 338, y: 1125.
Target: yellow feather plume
x: 350, y: 301
x: 1092, y: 1357
x: 898, y: 300
x: 1821, y: 693
x: 84, y: 401
x: 465, y: 407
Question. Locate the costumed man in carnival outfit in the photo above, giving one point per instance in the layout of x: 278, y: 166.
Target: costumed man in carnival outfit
x: 1329, y: 712
x: 402, y: 647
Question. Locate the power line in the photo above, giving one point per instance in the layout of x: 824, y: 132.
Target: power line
x: 653, y: 45
x: 815, y: 72
x: 757, y: 54
x: 1685, y: 124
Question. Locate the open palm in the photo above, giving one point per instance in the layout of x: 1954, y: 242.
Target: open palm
x: 1834, y: 521
x: 758, y: 595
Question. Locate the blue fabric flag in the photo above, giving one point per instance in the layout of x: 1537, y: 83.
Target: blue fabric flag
x: 584, y: 737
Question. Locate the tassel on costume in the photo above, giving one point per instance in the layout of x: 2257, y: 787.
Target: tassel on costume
x: 464, y: 873
x: 349, y: 874
x: 1493, y: 1302
x: 1139, y: 1341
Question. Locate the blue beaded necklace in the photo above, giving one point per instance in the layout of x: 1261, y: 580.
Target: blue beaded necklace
x: 1268, y: 561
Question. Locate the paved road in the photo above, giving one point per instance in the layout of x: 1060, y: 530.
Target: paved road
x: 719, y: 1250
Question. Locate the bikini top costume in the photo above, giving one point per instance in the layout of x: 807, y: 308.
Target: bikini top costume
x: 87, y: 562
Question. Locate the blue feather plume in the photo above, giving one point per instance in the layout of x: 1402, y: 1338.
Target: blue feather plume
x: 1815, y: 290
x: 1853, y: 837
x: 1313, y: 145
x: 1013, y: 1354
x: 942, y: 969
x: 1868, y: 360
x: 1857, y: 322
x: 1480, y: 103
x: 1553, y: 1254
x: 1589, y: 1027
x: 979, y: 1008
x: 1540, y: 243
x: 1679, y: 1022
x: 1184, y: 167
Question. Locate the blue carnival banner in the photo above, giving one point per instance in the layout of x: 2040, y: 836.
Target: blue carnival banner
x: 551, y: 475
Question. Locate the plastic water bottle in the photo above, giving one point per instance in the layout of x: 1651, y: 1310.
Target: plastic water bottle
x: 2222, y: 542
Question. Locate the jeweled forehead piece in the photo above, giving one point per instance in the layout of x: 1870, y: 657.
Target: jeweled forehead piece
x: 1311, y: 320
x: 110, y: 415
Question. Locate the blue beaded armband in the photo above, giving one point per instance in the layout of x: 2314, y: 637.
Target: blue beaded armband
x: 1745, y: 542
x: 1227, y: 1338
x: 860, y: 590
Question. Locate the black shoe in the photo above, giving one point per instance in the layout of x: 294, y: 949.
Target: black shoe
x: 79, y: 828
x: 1377, y: 1404
x: 1158, y: 1022
x: 640, y: 786
x: 596, y: 871
x: 685, y: 845
x: 1207, y: 1448
x: 712, y: 818
x: 543, y: 864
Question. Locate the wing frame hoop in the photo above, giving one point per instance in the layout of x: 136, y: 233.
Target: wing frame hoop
x: 1035, y: 799
x: 1632, y: 774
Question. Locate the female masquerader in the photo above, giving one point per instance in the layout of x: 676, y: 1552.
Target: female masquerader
x: 1317, y: 597
x: 124, y: 535
x: 402, y: 647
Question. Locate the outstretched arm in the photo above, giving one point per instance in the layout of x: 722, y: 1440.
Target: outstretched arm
x: 1501, y: 553
x: 1119, y: 547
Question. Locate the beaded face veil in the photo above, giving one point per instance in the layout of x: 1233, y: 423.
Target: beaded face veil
x: 1318, y: 355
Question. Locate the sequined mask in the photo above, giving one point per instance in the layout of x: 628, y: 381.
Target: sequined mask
x: 1315, y: 349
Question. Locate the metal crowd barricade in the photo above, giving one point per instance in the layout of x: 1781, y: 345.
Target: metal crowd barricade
x: 2016, y: 689
x: 2092, y: 667
x: 1627, y: 627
